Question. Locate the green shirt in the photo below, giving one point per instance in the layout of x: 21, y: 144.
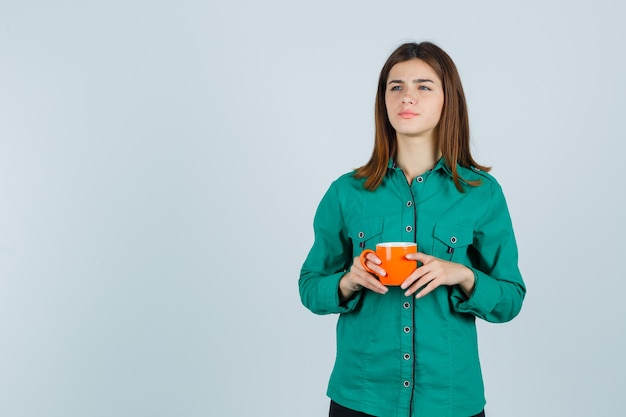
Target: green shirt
x: 398, y: 356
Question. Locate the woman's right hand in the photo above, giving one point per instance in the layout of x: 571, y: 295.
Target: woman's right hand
x: 358, y: 278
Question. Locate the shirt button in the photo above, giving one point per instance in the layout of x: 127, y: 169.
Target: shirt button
x: 407, y: 329
x: 361, y: 234
x: 407, y: 384
x: 406, y: 305
x: 453, y: 239
x: 409, y: 203
x: 409, y: 228
x: 407, y: 356
x: 419, y: 179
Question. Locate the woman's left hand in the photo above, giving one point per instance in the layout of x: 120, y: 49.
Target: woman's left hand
x: 435, y: 272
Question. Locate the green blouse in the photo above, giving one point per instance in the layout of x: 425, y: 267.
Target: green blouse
x: 396, y: 355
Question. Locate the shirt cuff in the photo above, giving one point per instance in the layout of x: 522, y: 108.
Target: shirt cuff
x: 483, y: 299
x: 329, y: 292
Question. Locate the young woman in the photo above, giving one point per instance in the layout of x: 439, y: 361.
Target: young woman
x: 412, y: 350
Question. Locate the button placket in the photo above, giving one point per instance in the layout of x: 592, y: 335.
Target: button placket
x: 406, y: 375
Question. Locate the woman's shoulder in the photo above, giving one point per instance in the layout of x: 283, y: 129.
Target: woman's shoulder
x: 348, y: 179
x: 476, y: 174
x: 485, y: 184
x: 347, y: 186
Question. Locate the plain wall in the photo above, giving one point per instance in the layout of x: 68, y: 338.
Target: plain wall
x: 161, y: 162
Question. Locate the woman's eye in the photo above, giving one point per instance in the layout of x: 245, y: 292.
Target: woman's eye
x: 396, y: 88
x: 424, y: 88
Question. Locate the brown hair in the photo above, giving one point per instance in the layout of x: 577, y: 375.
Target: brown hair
x: 452, y: 130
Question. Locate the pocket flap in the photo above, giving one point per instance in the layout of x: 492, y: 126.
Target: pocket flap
x: 454, y: 236
x: 366, y: 230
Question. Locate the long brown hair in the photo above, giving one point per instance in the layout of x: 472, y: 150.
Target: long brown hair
x: 452, y: 130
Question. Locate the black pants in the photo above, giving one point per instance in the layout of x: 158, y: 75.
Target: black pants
x: 337, y: 410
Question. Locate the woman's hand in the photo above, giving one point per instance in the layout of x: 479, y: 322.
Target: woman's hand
x: 358, y: 278
x: 436, y: 272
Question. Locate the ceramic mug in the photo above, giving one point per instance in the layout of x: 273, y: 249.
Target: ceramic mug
x: 394, y: 262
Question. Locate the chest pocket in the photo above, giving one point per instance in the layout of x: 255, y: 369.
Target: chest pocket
x: 451, y: 241
x: 366, y: 235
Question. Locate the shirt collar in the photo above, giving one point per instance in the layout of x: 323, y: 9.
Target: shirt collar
x: 441, y: 164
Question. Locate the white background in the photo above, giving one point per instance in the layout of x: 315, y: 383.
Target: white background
x: 161, y: 162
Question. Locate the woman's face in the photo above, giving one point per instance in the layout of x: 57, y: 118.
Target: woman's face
x: 414, y: 99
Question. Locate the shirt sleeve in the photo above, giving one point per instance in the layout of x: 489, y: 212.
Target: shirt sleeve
x: 328, y: 260
x: 499, y: 288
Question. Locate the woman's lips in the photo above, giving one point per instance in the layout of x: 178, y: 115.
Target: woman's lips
x: 408, y: 114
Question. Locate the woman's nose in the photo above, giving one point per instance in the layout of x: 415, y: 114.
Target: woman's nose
x: 408, y: 100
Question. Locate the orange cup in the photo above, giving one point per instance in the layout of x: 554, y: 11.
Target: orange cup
x: 394, y: 262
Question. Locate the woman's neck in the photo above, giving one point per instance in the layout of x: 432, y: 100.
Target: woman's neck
x: 416, y: 156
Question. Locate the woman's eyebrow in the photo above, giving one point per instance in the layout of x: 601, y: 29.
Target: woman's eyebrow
x: 416, y: 81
